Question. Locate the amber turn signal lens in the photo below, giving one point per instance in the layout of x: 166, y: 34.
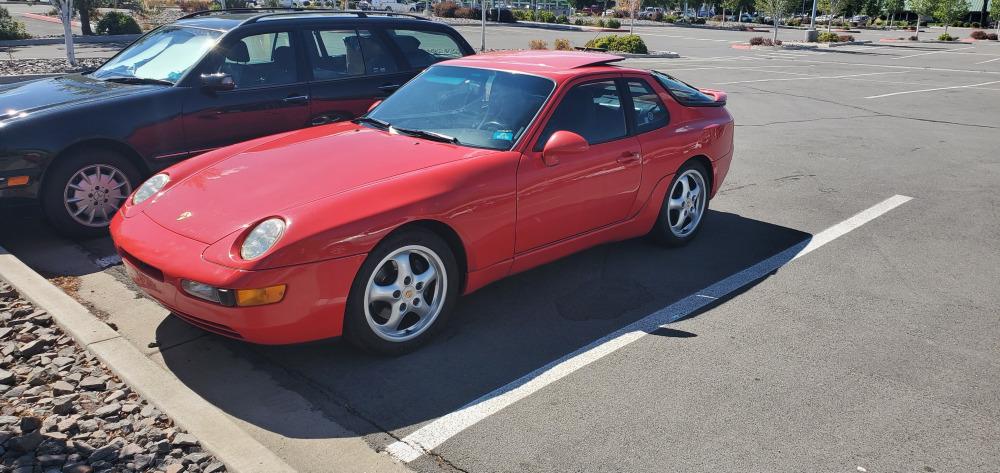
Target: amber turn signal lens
x: 17, y: 181
x: 267, y: 295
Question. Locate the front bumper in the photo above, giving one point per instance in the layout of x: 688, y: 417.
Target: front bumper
x: 312, y: 309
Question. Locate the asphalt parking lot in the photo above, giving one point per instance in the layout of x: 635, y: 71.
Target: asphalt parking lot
x: 838, y: 312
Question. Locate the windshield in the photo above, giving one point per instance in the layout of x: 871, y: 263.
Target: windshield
x: 477, y: 107
x: 165, y: 55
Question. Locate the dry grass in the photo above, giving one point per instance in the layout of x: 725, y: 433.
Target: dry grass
x: 538, y: 44
x: 563, y: 44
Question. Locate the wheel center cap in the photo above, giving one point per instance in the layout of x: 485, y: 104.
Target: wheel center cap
x: 409, y: 293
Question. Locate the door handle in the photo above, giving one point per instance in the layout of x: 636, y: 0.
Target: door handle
x: 389, y: 88
x: 296, y: 99
x: 629, y: 156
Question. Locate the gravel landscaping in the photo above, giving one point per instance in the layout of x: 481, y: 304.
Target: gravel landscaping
x: 20, y: 67
x: 62, y: 411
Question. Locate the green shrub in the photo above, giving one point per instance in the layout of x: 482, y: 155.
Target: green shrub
x: 828, y: 37
x: 546, y: 17
x: 599, y: 22
x: 794, y: 22
x: 579, y: 22
x: 11, y: 28
x: 562, y: 20
x: 946, y: 37
x: 628, y: 43
x: 670, y: 19
x: 115, y: 22
x: 614, y: 24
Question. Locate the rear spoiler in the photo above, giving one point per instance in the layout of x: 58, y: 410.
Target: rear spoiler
x: 720, y: 96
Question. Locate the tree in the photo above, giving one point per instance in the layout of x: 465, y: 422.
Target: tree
x: 995, y: 12
x: 951, y: 10
x: 65, y: 8
x: 83, y: 7
x: 731, y: 5
x: 891, y: 7
x: 775, y: 9
x: 922, y: 8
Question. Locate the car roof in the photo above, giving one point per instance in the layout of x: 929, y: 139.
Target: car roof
x: 226, y: 20
x: 552, y: 64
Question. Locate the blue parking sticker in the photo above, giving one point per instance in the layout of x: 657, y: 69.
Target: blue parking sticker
x: 506, y: 135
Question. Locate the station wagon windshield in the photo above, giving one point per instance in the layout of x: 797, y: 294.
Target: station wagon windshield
x: 472, y: 107
x: 163, y: 55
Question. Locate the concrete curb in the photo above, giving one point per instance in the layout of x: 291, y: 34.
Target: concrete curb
x: 216, y: 432
x: 120, y: 38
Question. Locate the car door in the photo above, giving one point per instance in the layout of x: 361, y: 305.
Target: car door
x: 350, y: 69
x: 270, y: 96
x: 589, y: 190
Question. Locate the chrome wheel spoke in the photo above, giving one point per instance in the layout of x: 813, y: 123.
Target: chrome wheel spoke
x: 424, y: 279
x: 384, y: 293
x: 395, y: 317
x: 675, y: 203
x: 94, y: 193
x: 403, y: 269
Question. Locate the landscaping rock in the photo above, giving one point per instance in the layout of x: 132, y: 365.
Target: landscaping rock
x: 61, y: 411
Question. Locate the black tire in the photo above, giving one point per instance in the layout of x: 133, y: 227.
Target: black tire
x: 662, y: 232
x: 357, y: 329
x: 58, y: 176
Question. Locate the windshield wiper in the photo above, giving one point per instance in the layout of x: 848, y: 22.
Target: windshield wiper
x: 372, y: 121
x: 430, y: 135
x: 138, y: 80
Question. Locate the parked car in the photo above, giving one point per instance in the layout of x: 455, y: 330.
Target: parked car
x: 594, y: 10
x: 649, y: 13
x: 390, y: 5
x: 418, y: 6
x: 860, y: 19
x: 81, y: 143
x: 478, y: 168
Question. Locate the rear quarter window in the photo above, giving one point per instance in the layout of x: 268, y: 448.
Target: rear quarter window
x: 683, y: 93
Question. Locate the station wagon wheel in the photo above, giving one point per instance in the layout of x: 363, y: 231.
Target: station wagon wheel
x: 83, y: 189
x: 684, y: 206
x: 403, y: 293
x: 94, y: 193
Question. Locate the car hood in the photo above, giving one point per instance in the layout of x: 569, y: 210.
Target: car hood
x: 22, y: 99
x: 291, y: 170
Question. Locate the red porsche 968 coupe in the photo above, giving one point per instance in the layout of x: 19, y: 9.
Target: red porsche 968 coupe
x: 478, y: 168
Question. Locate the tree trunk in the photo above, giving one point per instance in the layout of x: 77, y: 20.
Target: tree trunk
x: 775, y: 28
x: 84, y: 7
x: 66, y: 14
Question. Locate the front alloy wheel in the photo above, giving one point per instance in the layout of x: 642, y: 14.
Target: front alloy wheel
x: 403, y: 293
x: 94, y: 193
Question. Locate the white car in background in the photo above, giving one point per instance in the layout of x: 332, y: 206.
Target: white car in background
x: 390, y: 5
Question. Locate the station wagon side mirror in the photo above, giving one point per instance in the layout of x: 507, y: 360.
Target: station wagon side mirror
x: 563, y: 143
x: 374, y: 104
x: 218, y: 81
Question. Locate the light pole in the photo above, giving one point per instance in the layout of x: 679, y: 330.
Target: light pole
x: 482, y: 45
x: 811, y: 34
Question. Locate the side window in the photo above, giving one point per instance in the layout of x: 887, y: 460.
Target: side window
x: 336, y: 54
x: 378, y: 59
x: 261, y: 60
x: 648, y: 109
x: 592, y: 110
x: 423, y: 48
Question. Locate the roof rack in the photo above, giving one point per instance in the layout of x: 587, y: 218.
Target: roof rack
x: 266, y: 12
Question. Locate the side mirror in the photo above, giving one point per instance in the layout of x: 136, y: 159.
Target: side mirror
x: 563, y: 143
x: 374, y: 104
x: 218, y: 81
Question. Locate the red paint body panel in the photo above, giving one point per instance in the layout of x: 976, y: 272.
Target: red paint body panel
x: 342, y: 188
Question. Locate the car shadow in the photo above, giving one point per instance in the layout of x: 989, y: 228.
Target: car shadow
x: 498, y: 334
x: 26, y: 234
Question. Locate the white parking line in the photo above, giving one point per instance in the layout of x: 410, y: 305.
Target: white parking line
x: 808, y: 78
x: 934, y: 52
x: 932, y: 90
x: 435, y: 433
x: 989, y: 60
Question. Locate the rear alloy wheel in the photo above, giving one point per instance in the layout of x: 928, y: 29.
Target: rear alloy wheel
x: 684, y: 206
x: 403, y: 293
x: 83, y: 190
